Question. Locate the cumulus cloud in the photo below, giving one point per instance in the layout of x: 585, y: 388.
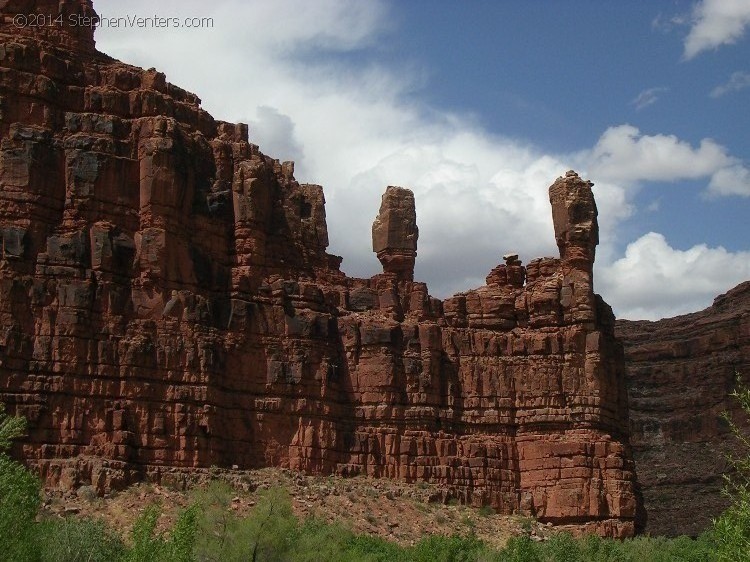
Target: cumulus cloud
x: 648, y: 97
x: 654, y: 280
x: 277, y: 132
x: 310, y: 83
x: 351, y: 128
x: 733, y: 180
x: 737, y: 81
x: 624, y: 154
x: 716, y: 23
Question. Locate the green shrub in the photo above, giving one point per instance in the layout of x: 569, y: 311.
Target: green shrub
x: 369, y: 548
x: 439, y: 548
x: 594, y: 547
x: 181, y: 543
x: 521, y: 549
x: 19, y: 497
x: 147, y: 547
x: 317, y: 540
x: 265, y: 535
x: 19, y: 504
x: 10, y: 428
x: 78, y: 540
x: 731, y: 531
x: 562, y: 546
x: 178, y: 546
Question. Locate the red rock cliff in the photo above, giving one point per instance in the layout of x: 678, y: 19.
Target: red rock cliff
x: 680, y: 374
x: 166, y: 302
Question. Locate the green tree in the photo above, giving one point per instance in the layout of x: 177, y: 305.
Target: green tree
x: 19, y: 496
x: 732, y: 529
x: 178, y: 546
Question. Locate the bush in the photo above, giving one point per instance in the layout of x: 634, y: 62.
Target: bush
x: 146, y: 545
x: 521, y: 549
x: 150, y: 547
x: 732, y: 530
x: 19, y: 503
x: 438, y: 548
x: 265, y: 535
x: 78, y: 540
x: 19, y: 496
x: 371, y: 549
x: 563, y: 546
x: 10, y: 428
x: 317, y: 540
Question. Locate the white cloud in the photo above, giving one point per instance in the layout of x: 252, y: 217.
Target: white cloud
x: 716, y: 23
x: 648, y: 97
x: 623, y: 154
x: 654, y: 280
x: 355, y: 126
x: 737, y: 81
x: 277, y: 132
x: 733, y: 180
x: 665, y: 24
x: 351, y: 128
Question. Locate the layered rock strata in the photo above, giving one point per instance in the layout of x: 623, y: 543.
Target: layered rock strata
x: 167, y: 302
x: 681, y: 372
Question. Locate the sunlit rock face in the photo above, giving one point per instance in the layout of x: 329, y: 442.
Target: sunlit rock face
x: 167, y: 303
x: 395, y: 233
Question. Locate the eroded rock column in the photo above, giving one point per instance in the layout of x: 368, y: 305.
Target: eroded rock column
x: 395, y: 233
x: 577, y: 235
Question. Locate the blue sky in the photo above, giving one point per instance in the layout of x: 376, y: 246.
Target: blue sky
x: 478, y: 107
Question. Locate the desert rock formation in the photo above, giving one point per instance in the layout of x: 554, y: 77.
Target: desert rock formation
x: 395, y: 233
x: 167, y: 302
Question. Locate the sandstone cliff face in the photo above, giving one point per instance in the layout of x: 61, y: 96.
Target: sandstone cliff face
x: 166, y: 302
x: 680, y: 373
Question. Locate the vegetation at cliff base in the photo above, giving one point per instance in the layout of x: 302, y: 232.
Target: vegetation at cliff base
x: 732, y: 529
x: 19, y: 495
x: 210, y: 531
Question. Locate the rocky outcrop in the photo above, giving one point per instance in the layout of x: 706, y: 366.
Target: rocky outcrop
x: 395, y: 233
x: 167, y: 302
x: 680, y: 374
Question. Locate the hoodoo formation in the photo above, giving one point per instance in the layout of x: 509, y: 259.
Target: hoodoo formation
x: 395, y: 233
x: 167, y: 303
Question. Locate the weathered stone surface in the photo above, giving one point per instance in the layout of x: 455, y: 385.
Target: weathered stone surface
x: 680, y: 374
x: 395, y: 233
x: 170, y: 305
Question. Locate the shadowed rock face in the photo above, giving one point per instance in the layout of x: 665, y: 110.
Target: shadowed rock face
x: 680, y: 374
x: 167, y: 303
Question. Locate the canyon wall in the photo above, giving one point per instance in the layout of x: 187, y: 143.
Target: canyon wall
x: 681, y: 372
x: 167, y: 302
